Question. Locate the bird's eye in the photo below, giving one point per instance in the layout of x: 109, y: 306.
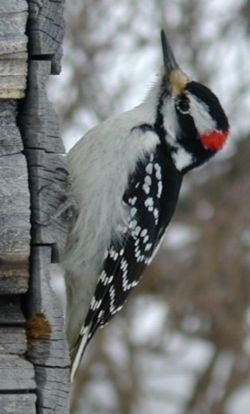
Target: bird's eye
x: 182, y: 105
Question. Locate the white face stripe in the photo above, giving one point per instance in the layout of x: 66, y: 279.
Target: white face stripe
x: 200, y: 114
x: 170, y: 121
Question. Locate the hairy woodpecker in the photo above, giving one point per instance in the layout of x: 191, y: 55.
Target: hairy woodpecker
x: 126, y: 176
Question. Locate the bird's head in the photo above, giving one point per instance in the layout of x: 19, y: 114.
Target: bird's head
x: 190, y: 114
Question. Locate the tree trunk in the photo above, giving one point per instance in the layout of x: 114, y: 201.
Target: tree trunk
x: 34, y: 377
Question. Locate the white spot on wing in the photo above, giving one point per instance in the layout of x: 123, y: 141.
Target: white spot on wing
x: 148, y: 246
x: 149, y: 203
x: 149, y: 168
x: 146, y: 188
x: 133, y: 224
x: 159, y: 189
x: 158, y: 171
x: 133, y: 211
x: 148, y: 180
x: 112, y: 299
x: 132, y: 201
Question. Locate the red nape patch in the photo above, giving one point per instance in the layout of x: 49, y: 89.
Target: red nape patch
x: 214, y: 140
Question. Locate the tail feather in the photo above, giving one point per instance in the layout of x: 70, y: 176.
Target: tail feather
x: 78, y: 351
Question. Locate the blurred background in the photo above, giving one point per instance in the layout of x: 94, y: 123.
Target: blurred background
x: 181, y: 345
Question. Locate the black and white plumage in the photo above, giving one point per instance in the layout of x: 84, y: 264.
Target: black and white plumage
x: 126, y: 176
x: 150, y: 199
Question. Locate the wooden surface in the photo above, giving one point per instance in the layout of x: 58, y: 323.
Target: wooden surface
x: 17, y: 374
x: 46, y: 27
x: 48, y: 352
x: 14, y: 206
x: 14, y: 191
x: 46, y: 159
x: 34, y: 377
x: 47, y: 348
x: 10, y: 311
x: 18, y: 403
x: 13, y: 48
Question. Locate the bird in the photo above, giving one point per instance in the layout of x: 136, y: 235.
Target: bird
x: 126, y: 174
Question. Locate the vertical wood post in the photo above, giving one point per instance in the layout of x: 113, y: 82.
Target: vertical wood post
x: 34, y: 361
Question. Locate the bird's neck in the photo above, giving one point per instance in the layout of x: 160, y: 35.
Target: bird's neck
x: 164, y: 126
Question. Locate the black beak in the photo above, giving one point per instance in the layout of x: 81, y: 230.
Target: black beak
x: 168, y: 56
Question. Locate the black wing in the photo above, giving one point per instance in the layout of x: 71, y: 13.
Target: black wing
x: 151, y: 197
